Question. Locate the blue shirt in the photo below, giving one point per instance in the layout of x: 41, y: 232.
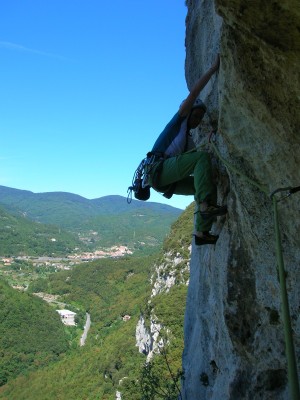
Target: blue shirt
x: 168, y: 134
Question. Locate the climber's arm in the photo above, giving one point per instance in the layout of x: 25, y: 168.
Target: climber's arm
x: 187, y: 105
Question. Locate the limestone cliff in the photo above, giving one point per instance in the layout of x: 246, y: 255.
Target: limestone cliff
x: 170, y: 270
x: 234, y: 341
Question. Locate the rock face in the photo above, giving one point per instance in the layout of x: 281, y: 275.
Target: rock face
x: 234, y: 336
x: 172, y: 269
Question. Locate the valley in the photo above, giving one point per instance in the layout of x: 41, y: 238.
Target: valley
x: 106, y: 283
x: 20, y: 271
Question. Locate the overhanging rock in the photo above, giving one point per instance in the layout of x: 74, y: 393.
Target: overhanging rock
x: 234, y: 340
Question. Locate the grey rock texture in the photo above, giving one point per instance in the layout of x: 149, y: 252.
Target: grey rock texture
x: 172, y: 269
x: 234, y: 340
x: 147, y: 338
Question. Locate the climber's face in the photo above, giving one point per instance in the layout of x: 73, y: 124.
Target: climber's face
x: 195, y: 117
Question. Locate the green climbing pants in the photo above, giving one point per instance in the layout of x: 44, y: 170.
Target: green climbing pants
x: 191, y: 174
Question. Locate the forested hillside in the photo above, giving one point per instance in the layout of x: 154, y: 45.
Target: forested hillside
x: 108, y: 289
x: 31, y: 333
x: 92, y: 224
x: 21, y: 236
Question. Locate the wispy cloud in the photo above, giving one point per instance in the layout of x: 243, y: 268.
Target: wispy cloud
x: 20, y: 48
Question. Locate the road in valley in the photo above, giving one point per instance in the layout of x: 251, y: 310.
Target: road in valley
x: 86, y: 329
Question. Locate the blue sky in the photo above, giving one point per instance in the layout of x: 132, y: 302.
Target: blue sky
x: 87, y: 86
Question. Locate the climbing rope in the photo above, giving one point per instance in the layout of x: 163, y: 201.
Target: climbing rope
x: 288, y: 335
x: 237, y: 171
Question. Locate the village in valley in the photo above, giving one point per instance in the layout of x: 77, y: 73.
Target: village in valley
x: 19, y: 271
x: 68, y: 261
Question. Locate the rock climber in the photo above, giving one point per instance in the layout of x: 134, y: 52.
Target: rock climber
x: 178, y: 168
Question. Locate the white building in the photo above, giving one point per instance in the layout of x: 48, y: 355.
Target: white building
x: 67, y: 317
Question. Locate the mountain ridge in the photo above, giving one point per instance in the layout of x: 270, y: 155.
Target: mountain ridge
x: 101, y: 222
x: 6, y: 193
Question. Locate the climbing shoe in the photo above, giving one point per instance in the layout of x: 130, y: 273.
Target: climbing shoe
x: 207, y: 238
x: 213, y: 211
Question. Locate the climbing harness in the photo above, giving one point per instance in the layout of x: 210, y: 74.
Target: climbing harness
x: 289, y: 344
x: 140, y: 181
